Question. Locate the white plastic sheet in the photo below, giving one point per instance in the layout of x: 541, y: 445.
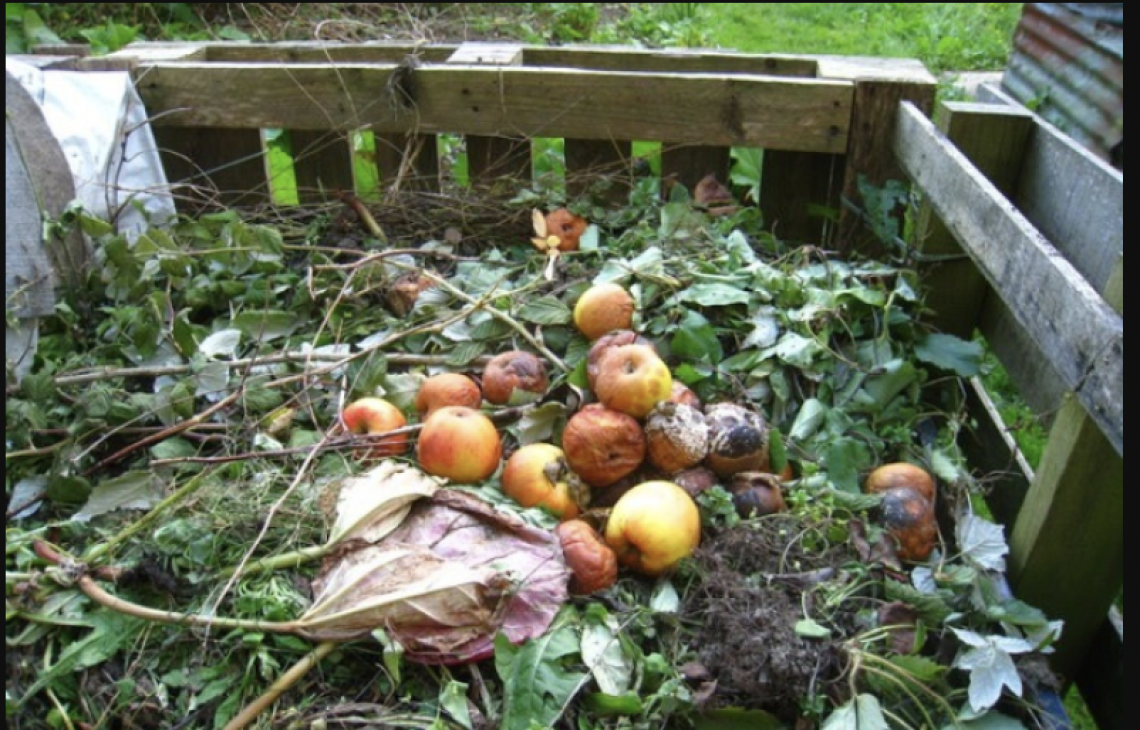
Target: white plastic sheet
x: 101, y: 125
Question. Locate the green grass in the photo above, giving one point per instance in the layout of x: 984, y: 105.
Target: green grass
x: 944, y: 36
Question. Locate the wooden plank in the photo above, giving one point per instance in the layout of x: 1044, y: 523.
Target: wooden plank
x: 408, y: 162
x: 1067, y: 546
x: 1078, y: 493
x: 490, y: 159
x: 1080, y: 334
x: 1073, y: 197
x: 589, y: 162
x: 689, y: 163
x: 325, y: 52
x: 715, y: 109
x: 880, y: 85
x: 497, y: 156
x: 994, y: 139
x: 672, y: 60
x: 993, y: 455
x: 1101, y: 679
x: 1029, y: 369
x: 322, y: 163
x: 791, y: 184
x: 211, y: 167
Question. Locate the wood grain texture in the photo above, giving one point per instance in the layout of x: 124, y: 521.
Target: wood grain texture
x: 590, y: 161
x: 673, y: 60
x: 1080, y: 334
x: 322, y: 164
x: 1067, y: 546
x: 1073, y: 197
x: 213, y: 166
x: 408, y: 162
x: 688, y: 164
x: 994, y: 456
x: 994, y: 139
x: 717, y: 109
x: 792, y: 184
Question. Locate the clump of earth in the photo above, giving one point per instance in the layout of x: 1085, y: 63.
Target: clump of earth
x: 758, y: 581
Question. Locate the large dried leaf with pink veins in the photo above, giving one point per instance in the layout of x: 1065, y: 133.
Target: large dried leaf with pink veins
x: 447, y: 580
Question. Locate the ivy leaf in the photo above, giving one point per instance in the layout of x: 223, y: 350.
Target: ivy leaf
x: 453, y: 700
x: 133, y: 490
x: 223, y: 343
x: 546, y: 311
x: 714, y: 295
x: 989, y: 721
x: 696, y: 339
x: 862, y: 713
x: 765, y: 329
x: 961, y: 357
x: 845, y: 459
x: 602, y: 653
x: 795, y: 350
x: 267, y: 325
x: 990, y: 666
x: 536, y: 685
x: 665, y: 598
x: 811, y: 415
x: 538, y: 425
x: 982, y: 542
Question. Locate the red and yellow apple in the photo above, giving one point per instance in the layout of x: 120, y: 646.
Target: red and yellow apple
x: 536, y: 475
x: 447, y: 389
x: 653, y: 526
x: 374, y: 416
x: 603, y: 308
x: 460, y: 444
x: 607, y: 342
x: 632, y: 379
x: 511, y: 370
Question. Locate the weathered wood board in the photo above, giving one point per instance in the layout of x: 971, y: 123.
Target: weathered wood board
x: 1081, y: 335
x: 717, y: 109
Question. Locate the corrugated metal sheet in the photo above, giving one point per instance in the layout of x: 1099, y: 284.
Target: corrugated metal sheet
x: 1068, y: 65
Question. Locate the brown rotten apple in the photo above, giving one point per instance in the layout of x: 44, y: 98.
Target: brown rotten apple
x: 376, y: 416
x: 592, y: 561
x: 460, y: 444
x: 536, y: 475
x: 738, y: 440
x: 515, y: 369
x: 900, y: 474
x: 653, y: 527
x: 677, y: 436
x: 603, y: 445
x: 632, y: 379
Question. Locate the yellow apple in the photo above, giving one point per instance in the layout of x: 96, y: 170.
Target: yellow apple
x: 536, y: 475
x: 603, y: 308
x: 653, y: 526
x: 376, y: 416
x: 632, y: 379
x: 460, y: 444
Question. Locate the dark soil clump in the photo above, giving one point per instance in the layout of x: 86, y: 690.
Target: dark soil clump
x: 758, y: 581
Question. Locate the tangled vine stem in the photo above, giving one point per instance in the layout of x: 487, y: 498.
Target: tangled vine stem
x: 85, y: 582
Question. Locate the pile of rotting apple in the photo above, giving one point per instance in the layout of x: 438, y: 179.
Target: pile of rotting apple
x: 665, y: 472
